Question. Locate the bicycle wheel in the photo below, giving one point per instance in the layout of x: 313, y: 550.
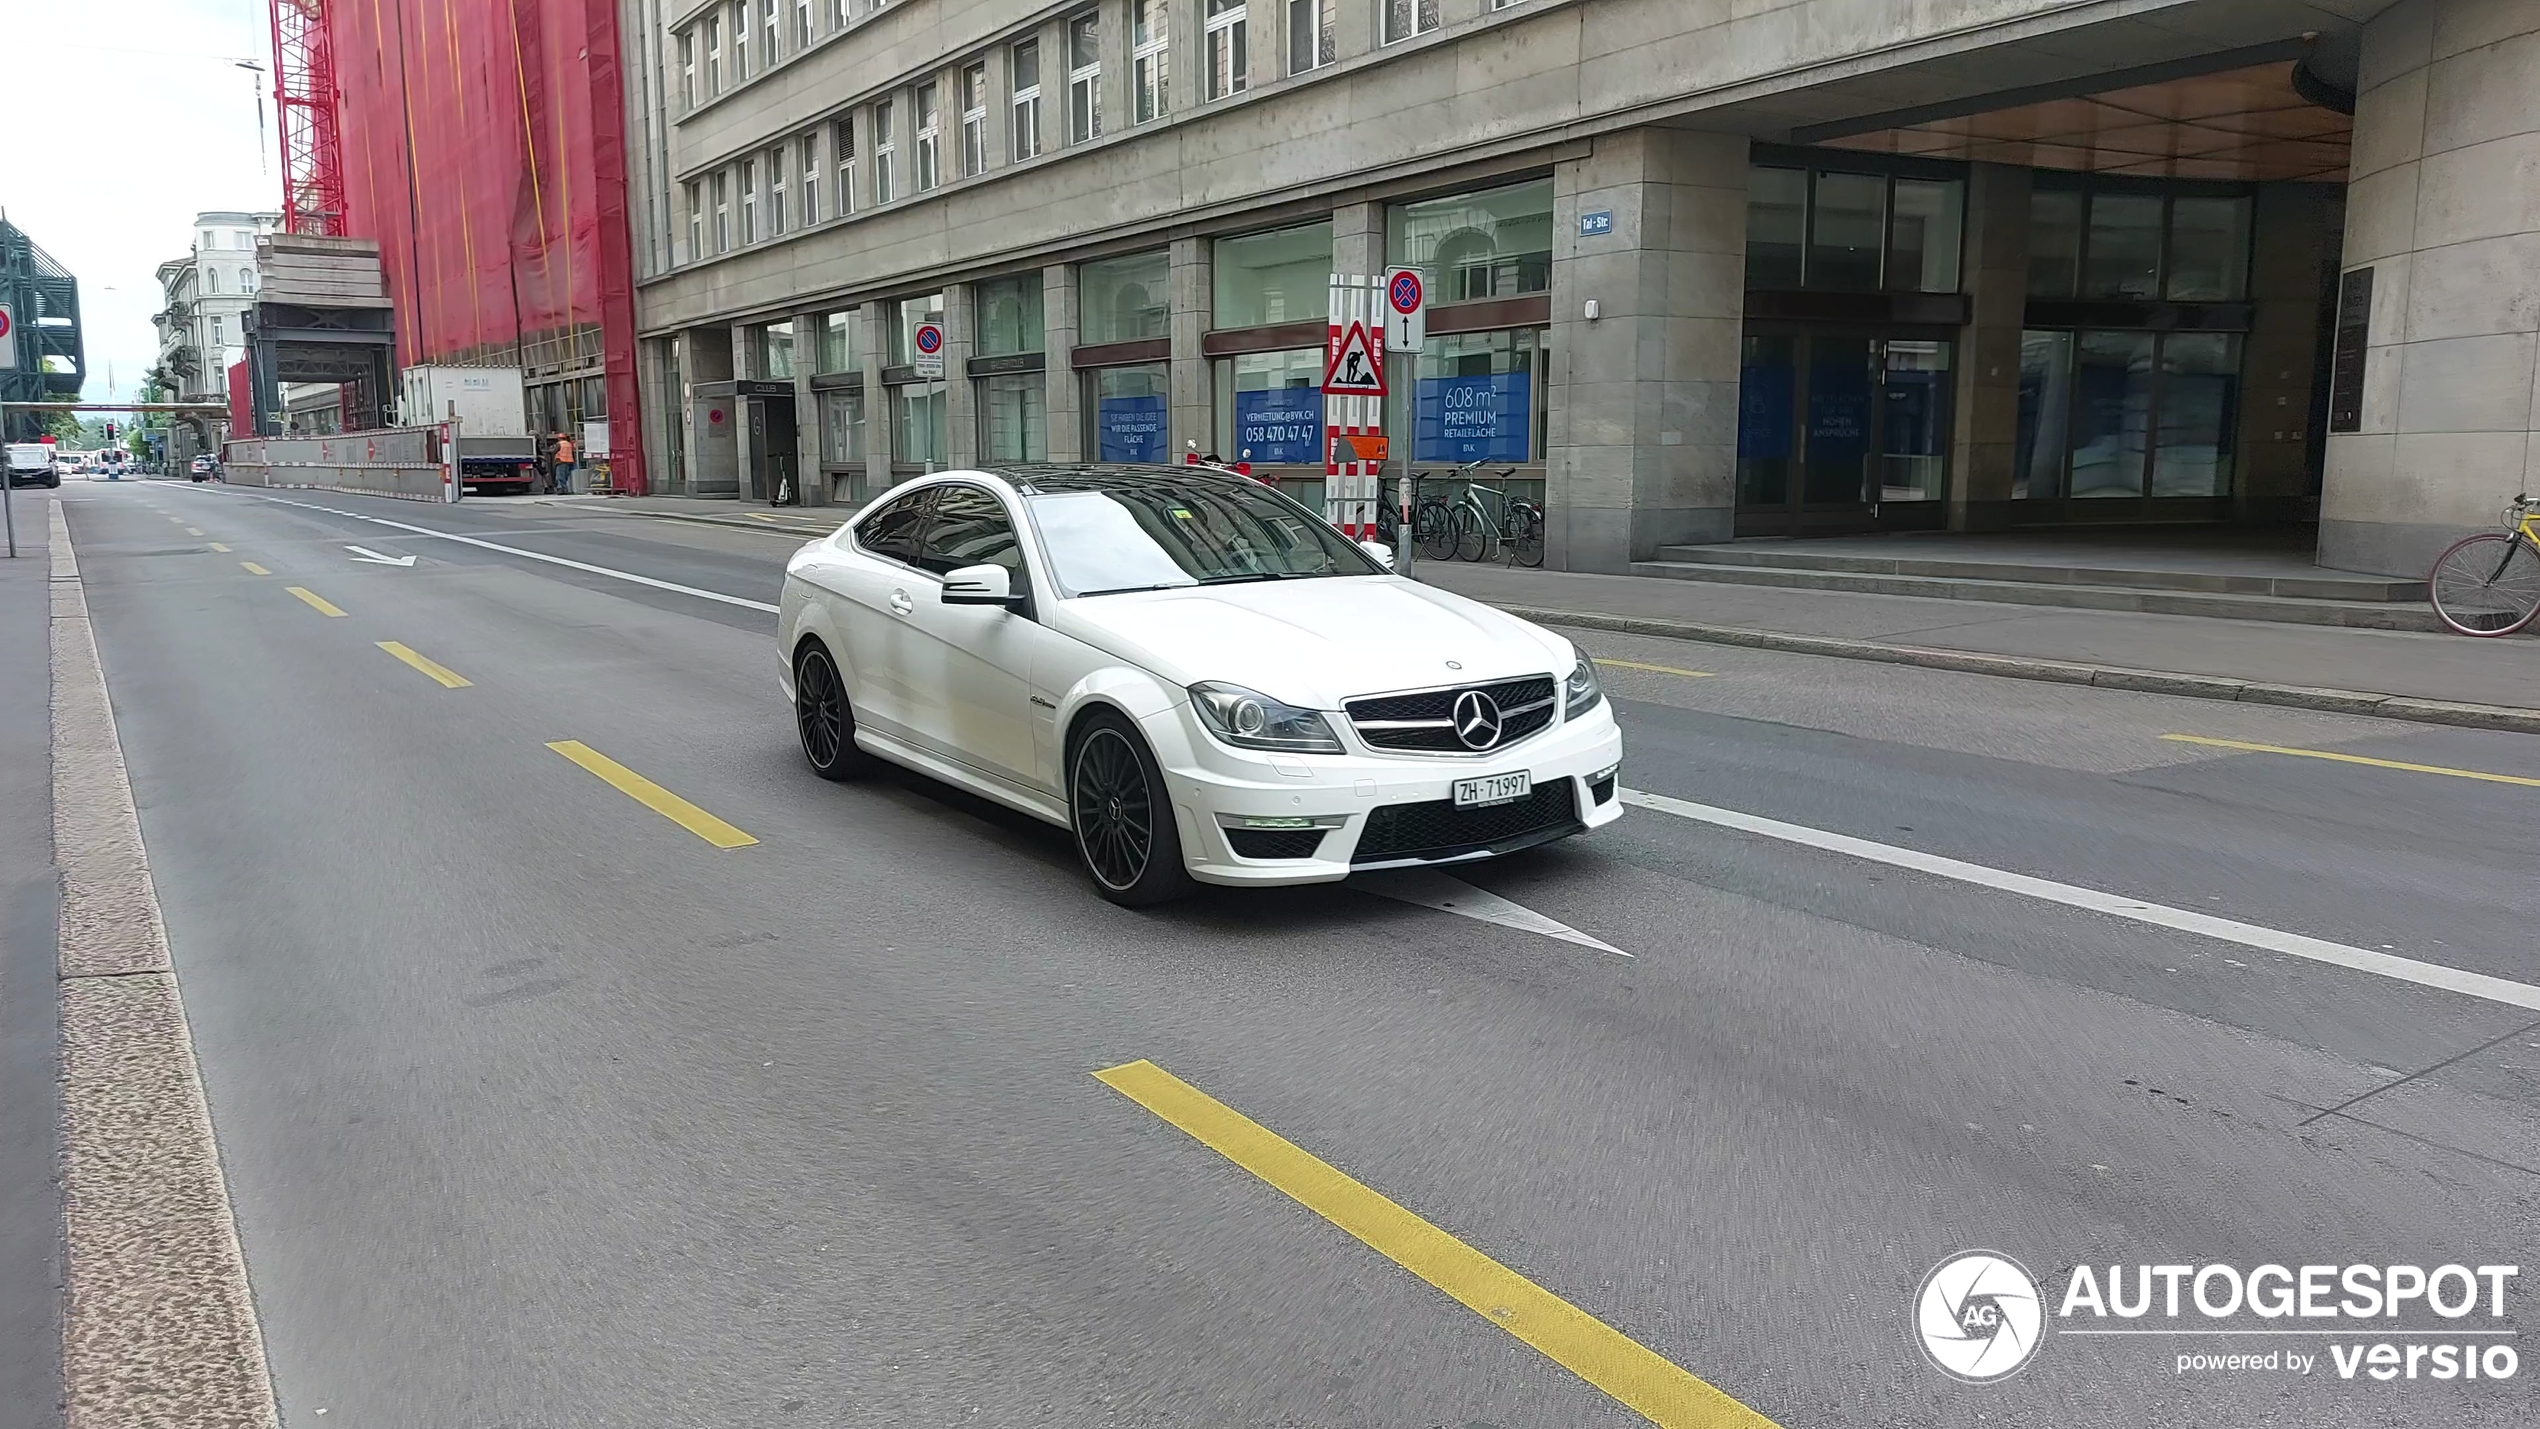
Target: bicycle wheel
x: 1433, y: 527
x: 2487, y: 584
x: 1472, y: 538
x: 1525, y: 534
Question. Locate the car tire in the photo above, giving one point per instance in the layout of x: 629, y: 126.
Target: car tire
x: 1121, y: 814
x: 822, y: 716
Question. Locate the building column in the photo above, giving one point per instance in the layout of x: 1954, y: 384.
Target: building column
x: 1985, y: 430
x: 2280, y: 359
x: 961, y: 416
x: 1643, y: 400
x: 811, y: 484
x: 1061, y: 390
x: 2441, y: 209
x: 874, y: 346
x: 1193, y: 417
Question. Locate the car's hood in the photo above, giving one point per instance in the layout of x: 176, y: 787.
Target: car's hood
x: 1317, y: 642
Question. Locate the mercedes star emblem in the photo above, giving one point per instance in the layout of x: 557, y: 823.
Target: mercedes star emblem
x: 1476, y: 720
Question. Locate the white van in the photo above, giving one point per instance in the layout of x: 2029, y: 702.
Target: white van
x: 32, y: 464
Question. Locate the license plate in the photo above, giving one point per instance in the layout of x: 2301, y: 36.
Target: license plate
x: 1492, y: 789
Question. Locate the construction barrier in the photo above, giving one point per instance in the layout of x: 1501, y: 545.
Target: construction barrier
x: 411, y: 463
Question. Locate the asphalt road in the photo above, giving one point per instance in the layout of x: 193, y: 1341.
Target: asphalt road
x: 540, y: 1110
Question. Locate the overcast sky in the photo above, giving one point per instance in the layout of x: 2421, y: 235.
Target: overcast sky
x: 146, y: 123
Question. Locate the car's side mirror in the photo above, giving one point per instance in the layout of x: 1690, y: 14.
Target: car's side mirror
x: 981, y: 585
x: 1382, y: 553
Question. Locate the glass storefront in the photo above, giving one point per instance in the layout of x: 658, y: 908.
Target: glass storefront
x: 2138, y: 243
x: 906, y: 315
x: 1013, y: 418
x: 842, y: 428
x: 1283, y: 276
x: 1124, y: 299
x: 1009, y: 314
x: 2126, y: 414
x: 1270, y: 407
x: 917, y: 426
x: 1480, y: 397
x: 839, y: 349
x: 1837, y: 230
x: 1125, y: 412
x: 1496, y: 243
x: 771, y: 350
x: 1833, y: 423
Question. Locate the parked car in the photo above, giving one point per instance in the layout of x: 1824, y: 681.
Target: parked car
x: 33, y: 464
x: 1200, y: 678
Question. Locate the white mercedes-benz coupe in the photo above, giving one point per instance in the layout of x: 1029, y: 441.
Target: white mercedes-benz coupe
x: 1196, y: 676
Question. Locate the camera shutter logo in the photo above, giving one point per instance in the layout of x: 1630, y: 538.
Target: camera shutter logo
x: 1978, y: 1316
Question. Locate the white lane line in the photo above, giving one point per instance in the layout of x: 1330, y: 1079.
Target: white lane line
x: 2273, y: 940
x: 1430, y: 889
x: 674, y: 586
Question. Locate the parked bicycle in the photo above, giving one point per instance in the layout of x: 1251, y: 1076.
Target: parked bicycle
x: 1483, y: 520
x: 2489, y: 584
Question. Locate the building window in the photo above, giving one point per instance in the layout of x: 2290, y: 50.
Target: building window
x: 884, y: 151
x: 906, y: 315
x: 722, y: 212
x: 917, y: 425
x: 749, y: 201
x: 842, y: 137
x: 1084, y: 78
x: 1504, y: 4
x: 770, y: 350
x: 1270, y: 407
x: 218, y: 338
x: 1123, y: 299
x: 2138, y: 245
x: 1125, y: 412
x: 2119, y: 414
x: 740, y: 43
x: 779, y: 193
x: 1496, y: 243
x: 1852, y: 232
x: 929, y: 132
x: 1405, y: 18
x: 842, y: 428
x: 1311, y: 38
x: 1008, y: 313
x: 767, y: 34
x: 1283, y: 276
x: 802, y: 24
x: 974, y: 119
x: 838, y: 347
x: 687, y: 69
x: 837, y: 15
x: 1023, y: 67
x: 714, y: 54
x: 1013, y: 418
x: 1225, y: 44
x: 211, y: 280
x: 1479, y: 397
x: 811, y: 180
x: 1150, y: 54
x: 696, y: 221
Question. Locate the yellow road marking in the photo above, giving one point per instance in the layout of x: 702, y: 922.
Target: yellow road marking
x: 652, y: 796
x: 1657, y: 669
x: 2523, y: 780
x: 317, y: 602
x: 217, y: 546
x: 255, y: 570
x: 450, y: 679
x: 1563, y: 1333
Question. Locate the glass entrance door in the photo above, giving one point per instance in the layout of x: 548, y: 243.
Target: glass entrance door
x: 1841, y: 430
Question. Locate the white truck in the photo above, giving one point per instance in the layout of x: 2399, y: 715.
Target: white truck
x: 33, y: 464
x: 497, y: 451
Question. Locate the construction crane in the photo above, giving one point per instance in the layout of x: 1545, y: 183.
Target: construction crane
x: 304, y: 106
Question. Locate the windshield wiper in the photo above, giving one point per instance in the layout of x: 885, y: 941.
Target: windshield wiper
x: 1263, y: 576
x: 1132, y: 589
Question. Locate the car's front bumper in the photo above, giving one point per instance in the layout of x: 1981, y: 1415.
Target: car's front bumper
x: 1223, y: 797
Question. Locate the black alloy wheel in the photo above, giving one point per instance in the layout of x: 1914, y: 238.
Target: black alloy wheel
x: 822, y: 716
x: 1122, y: 817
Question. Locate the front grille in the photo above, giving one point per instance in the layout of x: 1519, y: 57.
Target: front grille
x: 1424, y: 721
x: 1438, y: 829
x: 1275, y: 843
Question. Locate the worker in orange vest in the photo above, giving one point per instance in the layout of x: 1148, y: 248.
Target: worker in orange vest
x: 563, y: 465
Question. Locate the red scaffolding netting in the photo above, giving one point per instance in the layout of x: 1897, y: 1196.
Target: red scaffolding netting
x: 483, y: 145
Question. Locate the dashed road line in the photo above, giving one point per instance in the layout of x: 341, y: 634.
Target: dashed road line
x: 217, y: 546
x: 1635, y: 1375
x: 449, y: 679
x: 2366, y: 760
x: 255, y: 570
x: 2184, y: 920
x: 315, y: 601
x: 652, y: 796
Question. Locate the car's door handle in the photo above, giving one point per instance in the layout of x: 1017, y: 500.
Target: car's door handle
x: 900, y: 603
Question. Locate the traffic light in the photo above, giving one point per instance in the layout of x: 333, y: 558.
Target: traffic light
x: 110, y: 431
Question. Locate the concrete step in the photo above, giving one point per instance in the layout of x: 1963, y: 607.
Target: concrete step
x: 2285, y: 609
x: 1795, y: 556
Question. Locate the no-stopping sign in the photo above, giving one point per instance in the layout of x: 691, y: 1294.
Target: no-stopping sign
x: 1406, y: 310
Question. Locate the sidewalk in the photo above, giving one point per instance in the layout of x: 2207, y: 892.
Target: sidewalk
x: 2442, y: 679
x: 749, y: 515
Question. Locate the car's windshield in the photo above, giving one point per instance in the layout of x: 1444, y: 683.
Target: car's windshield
x: 1147, y: 536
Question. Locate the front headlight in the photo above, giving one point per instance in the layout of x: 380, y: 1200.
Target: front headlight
x: 1581, y: 693
x: 1249, y: 719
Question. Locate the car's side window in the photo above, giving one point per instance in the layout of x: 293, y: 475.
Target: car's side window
x: 970, y: 529
x: 893, y: 530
